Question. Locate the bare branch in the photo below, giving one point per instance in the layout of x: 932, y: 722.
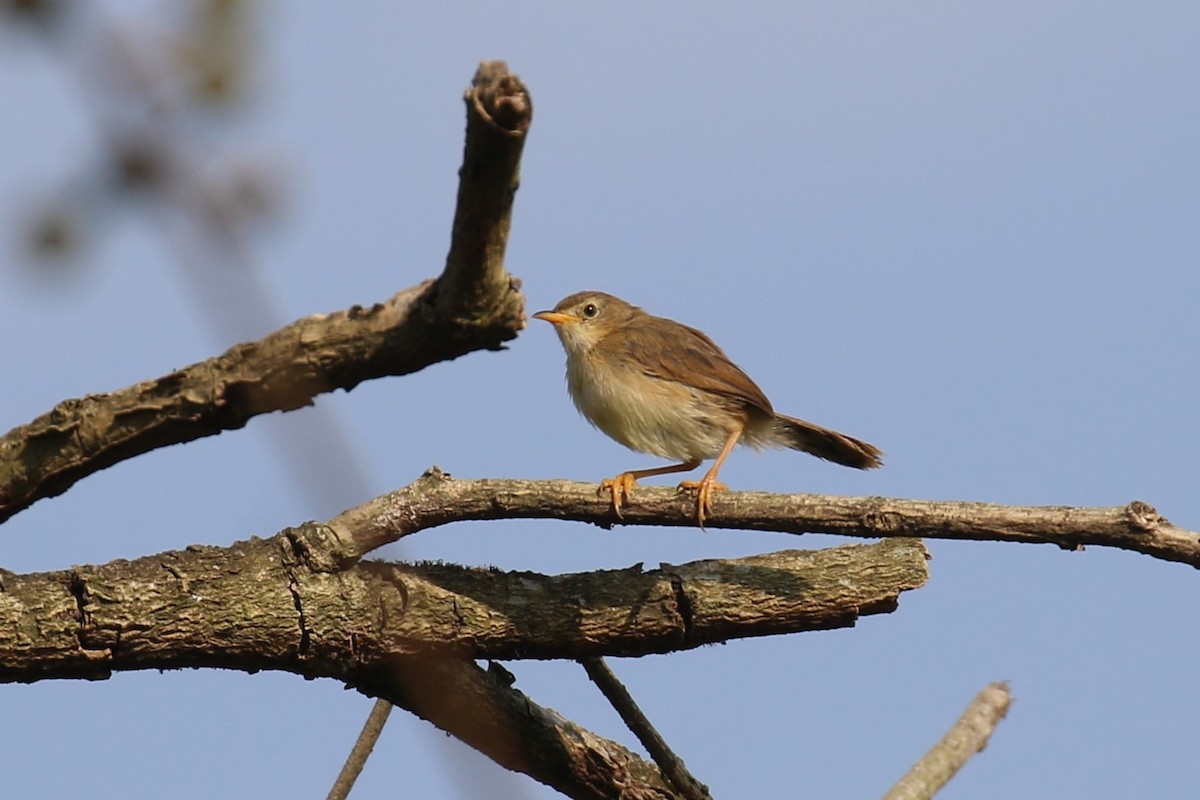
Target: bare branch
x: 499, y: 112
x: 484, y: 710
x: 402, y: 632
x: 361, y: 750
x: 671, y: 765
x: 279, y: 604
x: 474, y: 305
x: 968, y: 737
x: 436, y: 499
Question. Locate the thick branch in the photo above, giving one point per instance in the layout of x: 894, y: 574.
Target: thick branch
x: 403, y: 632
x: 278, y: 604
x: 499, y: 112
x: 474, y: 305
x: 482, y: 708
x: 436, y: 499
x: 968, y: 737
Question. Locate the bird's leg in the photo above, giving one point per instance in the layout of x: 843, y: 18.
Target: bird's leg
x: 708, y: 484
x: 621, y: 487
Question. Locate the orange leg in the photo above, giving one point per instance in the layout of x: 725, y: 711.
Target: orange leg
x: 621, y: 487
x: 708, y: 484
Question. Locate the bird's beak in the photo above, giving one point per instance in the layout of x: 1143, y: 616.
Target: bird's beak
x: 553, y: 317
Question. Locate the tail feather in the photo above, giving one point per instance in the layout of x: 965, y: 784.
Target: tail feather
x: 824, y: 443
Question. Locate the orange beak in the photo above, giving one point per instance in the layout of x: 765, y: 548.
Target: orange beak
x: 554, y: 317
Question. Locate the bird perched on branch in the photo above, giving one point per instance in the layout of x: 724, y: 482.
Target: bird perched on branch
x: 664, y: 388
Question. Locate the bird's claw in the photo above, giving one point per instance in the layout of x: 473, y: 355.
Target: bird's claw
x: 619, y: 489
x: 704, y: 489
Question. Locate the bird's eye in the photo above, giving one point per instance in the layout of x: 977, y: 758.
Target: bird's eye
x: 590, y: 311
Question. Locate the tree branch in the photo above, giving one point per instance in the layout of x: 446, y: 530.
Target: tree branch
x: 279, y: 604
x: 435, y: 499
x: 499, y: 112
x: 968, y: 737
x: 403, y: 633
x: 671, y: 765
x: 361, y: 750
x: 474, y: 305
x: 482, y: 708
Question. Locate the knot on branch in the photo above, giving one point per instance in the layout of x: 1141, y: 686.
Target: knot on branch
x: 317, y: 547
x: 883, y: 522
x: 501, y: 97
x: 1143, y: 516
x: 434, y: 475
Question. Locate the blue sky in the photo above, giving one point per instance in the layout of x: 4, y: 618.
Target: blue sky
x: 967, y: 233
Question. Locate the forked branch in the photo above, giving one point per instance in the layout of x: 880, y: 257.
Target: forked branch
x: 408, y: 633
x: 473, y: 305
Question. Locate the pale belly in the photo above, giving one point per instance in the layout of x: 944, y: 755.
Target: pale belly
x: 649, y: 415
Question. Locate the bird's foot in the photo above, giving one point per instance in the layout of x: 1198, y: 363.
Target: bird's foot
x: 619, y: 489
x: 704, y: 490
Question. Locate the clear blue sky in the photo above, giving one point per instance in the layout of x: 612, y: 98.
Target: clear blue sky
x: 968, y: 233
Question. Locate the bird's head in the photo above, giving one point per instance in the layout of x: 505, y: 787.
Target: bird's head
x: 584, y: 318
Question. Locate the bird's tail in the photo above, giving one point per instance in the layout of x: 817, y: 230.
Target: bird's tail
x: 824, y: 443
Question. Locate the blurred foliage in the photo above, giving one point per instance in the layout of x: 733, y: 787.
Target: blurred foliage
x: 157, y: 96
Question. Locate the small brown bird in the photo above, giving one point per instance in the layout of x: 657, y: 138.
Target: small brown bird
x: 660, y: 387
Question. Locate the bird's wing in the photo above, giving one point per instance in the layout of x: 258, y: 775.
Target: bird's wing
x: 672, y: 351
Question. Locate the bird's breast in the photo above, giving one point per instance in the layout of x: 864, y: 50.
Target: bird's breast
x: 645, y: 413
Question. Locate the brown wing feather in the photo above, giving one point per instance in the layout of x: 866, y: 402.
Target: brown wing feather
x: 673, y: 351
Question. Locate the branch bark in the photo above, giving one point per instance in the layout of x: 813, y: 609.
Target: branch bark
x: 474, y: 305
x: 499, y: 112
x: 425, y: 503
x: 406, y: 633
x: 281, y: 604
x: 969, y: 736
x: 482, y: 708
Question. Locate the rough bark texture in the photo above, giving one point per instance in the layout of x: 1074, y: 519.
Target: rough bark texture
x: 278, y: 604
x: 407, y: 633
x: 473, y: 305
x: 499, y: 112
x: 483, y: 709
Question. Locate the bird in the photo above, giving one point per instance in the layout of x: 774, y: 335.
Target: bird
x: 663, y: 388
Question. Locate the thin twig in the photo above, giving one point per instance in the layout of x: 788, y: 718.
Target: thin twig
x: 968, y: 737
x: 361, y: 750
x: 671, y: 765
